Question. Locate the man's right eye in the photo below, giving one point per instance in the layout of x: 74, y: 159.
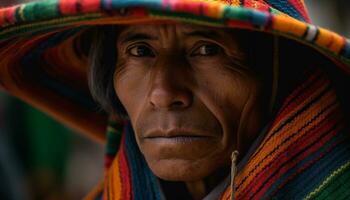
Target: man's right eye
x: 141, y: 51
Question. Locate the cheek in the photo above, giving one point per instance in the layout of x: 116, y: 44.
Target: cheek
x: 130, y: 84
x: 226, y: 93
x: 227, y: 90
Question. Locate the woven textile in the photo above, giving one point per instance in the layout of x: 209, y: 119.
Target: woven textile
x: 305, y: 152
x: 62, y: 63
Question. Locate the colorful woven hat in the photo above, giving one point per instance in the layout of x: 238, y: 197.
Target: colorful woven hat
x: 43, y: 64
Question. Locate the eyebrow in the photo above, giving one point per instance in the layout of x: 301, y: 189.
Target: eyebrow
x: 136, y: 37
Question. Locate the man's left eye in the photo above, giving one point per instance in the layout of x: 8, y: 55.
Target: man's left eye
x: 208, y: 50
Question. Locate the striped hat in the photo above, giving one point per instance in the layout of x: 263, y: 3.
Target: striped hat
x: 43, y: 64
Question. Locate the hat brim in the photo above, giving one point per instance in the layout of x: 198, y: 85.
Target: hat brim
x: 40, y: 65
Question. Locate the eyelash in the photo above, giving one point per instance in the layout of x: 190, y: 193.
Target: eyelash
x: 145, y: 46
x: 196, y: 52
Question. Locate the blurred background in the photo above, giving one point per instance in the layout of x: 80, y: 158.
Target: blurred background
x: 40, y: 159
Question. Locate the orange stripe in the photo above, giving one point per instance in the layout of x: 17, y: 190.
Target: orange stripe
x: 330, y: 40
x: 288, y: 115
x: 213, y: 9
x: 95, y: 192
x: 288, y: 25
x: 292, y: 127
x: 298, y: 107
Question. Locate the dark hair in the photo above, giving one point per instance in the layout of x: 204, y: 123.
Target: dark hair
x: 102, y: 61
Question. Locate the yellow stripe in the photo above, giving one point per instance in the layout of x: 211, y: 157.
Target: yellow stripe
x: 21, y: 12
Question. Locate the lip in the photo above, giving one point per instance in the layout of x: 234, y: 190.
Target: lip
x: 178, y: 139
x: 177, y: 134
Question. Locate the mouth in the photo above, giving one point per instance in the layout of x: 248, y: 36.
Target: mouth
x: 177, y: 136
x: 176, y: 133
x: 178, y: 139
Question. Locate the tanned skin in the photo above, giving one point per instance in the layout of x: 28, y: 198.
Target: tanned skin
x: 191, y: 100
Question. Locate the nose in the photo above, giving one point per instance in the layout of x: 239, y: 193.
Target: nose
x: 169, y: 89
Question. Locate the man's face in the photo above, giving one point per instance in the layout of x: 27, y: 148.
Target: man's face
x: 190, y: 98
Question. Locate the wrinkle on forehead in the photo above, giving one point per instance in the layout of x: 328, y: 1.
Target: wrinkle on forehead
x: 170, y: 34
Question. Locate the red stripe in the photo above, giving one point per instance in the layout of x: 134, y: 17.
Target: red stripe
x: 138, y: 12
x: 124, y: 172
x: 304, y: 85
x: 301, y: 9
x: 237, y: 23
x: 2, y: 17
x: 90, y: 6
x: 285, y: 157
x: 308, y: 165
x: 295, y: 102
x: 68, y: 6
x: 286, y: 168
x: 188, y: 7
x: 10, y: 14
x: 300, y: 99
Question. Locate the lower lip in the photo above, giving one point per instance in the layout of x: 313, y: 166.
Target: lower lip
x: 178, y: 139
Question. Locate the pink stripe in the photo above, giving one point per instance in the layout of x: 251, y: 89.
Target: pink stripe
x: 108, y: 4
x: 10, y: 14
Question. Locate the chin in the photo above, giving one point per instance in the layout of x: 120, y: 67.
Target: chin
x: 180, y: 170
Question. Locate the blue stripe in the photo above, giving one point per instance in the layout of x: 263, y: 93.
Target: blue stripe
x: 144, y: 182
x: 326, y: 166
x: 152, y: 4
x: 300, y: 164
x: 259, y: 18
x: 286, y: 7
x: 292, y: 189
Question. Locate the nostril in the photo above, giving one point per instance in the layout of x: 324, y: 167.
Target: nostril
x: 170, y: 98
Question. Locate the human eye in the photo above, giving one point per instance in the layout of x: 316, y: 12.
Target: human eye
x: 207, y: 50
x: 141, y: 50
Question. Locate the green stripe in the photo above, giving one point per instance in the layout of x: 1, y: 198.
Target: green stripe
x: 328, y: 180
x: 114, y: 135
x: 237, y: 13
x: 336, y: 186
x: 38, y: 11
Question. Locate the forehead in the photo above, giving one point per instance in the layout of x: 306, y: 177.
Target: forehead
x: 174, y: 30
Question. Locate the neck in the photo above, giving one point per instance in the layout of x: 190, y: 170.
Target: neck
x: 197, y: 189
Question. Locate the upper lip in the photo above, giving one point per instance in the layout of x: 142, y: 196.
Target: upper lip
x: 175, y: 133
